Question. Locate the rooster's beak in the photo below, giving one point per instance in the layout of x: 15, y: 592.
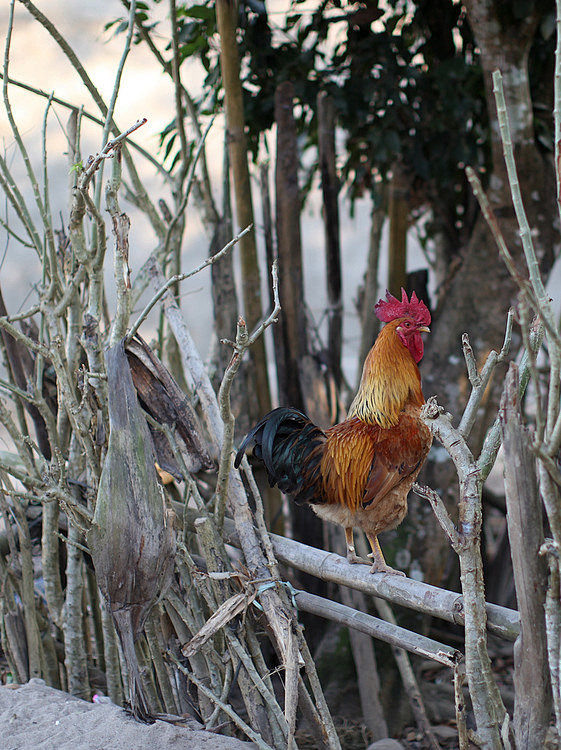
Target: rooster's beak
x: 423, y: 329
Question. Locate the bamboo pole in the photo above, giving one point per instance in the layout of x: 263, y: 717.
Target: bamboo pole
x: 226, y: 19
x: 384, y: 631
x: 422, y: 597
x: 406, y: 592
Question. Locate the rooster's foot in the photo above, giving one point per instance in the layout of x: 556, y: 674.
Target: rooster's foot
x: 379, y: 566
x: 377, y: 557
x: 353, y: 559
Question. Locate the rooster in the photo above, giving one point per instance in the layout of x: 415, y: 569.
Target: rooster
x: 358, y: 473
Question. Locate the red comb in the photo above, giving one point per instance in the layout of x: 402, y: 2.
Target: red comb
x: 391, y: 308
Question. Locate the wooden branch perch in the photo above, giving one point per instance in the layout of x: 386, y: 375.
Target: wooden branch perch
x: 488, y: 707
x: 377, y: 628
x: 406, y: 592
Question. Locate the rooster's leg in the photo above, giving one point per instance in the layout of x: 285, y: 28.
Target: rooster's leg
x: 378, y: 563
x: 351, y: 552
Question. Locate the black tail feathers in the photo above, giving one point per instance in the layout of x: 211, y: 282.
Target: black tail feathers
x: 291, y: 447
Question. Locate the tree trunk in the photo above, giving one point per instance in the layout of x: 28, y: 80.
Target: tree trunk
x: 532, y: 703
x: 330, y: 191
x: 291, y: 330
x: 398, y: 210
x: 226, y: 18
x: 292, y: 327
x: 476, y: 298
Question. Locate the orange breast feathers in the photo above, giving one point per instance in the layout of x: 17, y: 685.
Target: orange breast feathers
x: 363, y: 462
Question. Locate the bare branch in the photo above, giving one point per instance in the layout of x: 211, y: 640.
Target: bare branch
x: 118, y: 75
x: 492, y: 442
x: 225, y: 707
x: 106, y: 153
x: 487, y: 703
x: 14, y: 190
x: 441, y: 514
x: 187, y: 192
x: 471, y: 365
x: 525, y: 232
x: 92, y: 118
x: 243, y: 342
x: 181, y: 277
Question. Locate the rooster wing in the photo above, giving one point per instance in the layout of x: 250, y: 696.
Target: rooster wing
x: 400, y: 452
x: 367, y: 474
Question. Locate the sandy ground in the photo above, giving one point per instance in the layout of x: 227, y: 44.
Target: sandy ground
x: 37, y: 717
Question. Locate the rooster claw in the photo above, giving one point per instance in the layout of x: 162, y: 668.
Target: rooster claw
x: 353, y: 559
x: 386, y: 569
x: 378, y: 563
x: 376, y: 567
x: 380, y: 566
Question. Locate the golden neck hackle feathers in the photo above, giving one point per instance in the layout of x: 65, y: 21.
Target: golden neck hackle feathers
x: 390, y: 379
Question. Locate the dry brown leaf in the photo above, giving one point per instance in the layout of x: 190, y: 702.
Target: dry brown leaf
x: 223, y: 615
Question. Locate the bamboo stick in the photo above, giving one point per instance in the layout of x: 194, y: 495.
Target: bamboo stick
x: 406, y: 592
x: 489, y: 711
x: 409, y: 680
x: 367, y: 674
x: 422, y: 597
x: 374, y: 626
